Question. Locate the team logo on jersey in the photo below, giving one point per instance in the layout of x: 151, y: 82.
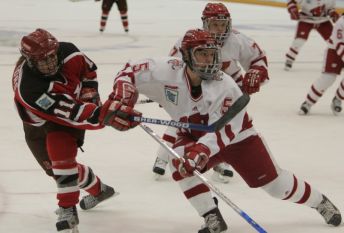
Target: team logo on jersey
x: 45, y: 102
x: 171, y: 94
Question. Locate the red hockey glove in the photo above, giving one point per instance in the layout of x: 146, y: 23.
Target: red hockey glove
x: 293, y: 11
x: 333, y: 15
x: 253, y: 78
x: 117, y: 115
x: 90, y: 95
x: 195, y: 158
x: 125, y: 92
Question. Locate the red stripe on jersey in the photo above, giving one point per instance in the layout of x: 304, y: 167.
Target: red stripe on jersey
x: 259, y: 59
x: 293, y: 190
x: 169, y: 138
x: 219, y: 141
x: 87, y: 111
x: 247, y: 123
x: 306, y: 194
x: 173, y: 52
x: 201, y: 188
x: 229, y: 132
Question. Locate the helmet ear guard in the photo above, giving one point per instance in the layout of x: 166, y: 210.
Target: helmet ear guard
x: 40, y: 49
x: 197, y: 39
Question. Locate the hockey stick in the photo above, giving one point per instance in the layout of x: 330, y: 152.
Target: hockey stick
x: 238, y: 105
x: 205, y: 181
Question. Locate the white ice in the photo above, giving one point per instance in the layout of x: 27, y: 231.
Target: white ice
x: 310, y: 146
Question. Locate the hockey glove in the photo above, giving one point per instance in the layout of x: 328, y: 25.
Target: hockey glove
x: 333, y: 15
x: 293, y: 11
x: 125, y: 92
x: 195, y: 158
x: 253, y: 78
x: 90, y: 95
x: 117, y: 115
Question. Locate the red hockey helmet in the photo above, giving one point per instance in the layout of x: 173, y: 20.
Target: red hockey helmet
x: 217, y: 20
x: 198, y: 41
x: 40, y: 50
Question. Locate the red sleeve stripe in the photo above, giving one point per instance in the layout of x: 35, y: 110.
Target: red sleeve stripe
x: 173, y: 52
x: 264, y: 59
x: 169, y: 138
x: 219, y: 140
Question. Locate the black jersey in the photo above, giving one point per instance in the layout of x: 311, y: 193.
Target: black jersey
x: 56, y: 98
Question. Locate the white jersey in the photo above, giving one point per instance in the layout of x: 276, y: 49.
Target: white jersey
x: 164, y: 80
x: 315, y: 11
x: 238, y: 51
x: 337, y: 37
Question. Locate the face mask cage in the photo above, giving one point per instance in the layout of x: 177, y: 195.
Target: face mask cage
x: 48, y: 66
x: 220, y: 37
x: 206, y: 70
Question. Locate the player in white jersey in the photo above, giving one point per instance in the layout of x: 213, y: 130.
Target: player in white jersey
x: 313, y: 14
x: 332, y: 66
x: 237, y: 50
x: 195, y: 90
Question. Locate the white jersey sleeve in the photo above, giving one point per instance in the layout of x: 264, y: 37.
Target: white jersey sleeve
x: 175, y: 51
x: 244, y: 50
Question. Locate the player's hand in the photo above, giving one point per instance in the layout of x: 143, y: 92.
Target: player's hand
x: 125, y: 92
x: 253, y: 78
x: 90, y: 95
x: 294, y: 12
x: 117, y: 115
x: 195, y: 158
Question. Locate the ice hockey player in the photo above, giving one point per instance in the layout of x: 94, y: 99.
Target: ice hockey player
x: 332, y: 66
x: 311, y: 15
x: 56, y: 95
x: 123, y: 11
x: 237, y: 51
x: 195, y: 90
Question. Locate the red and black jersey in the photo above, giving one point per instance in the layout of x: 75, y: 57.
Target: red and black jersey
x: 39, y: 98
